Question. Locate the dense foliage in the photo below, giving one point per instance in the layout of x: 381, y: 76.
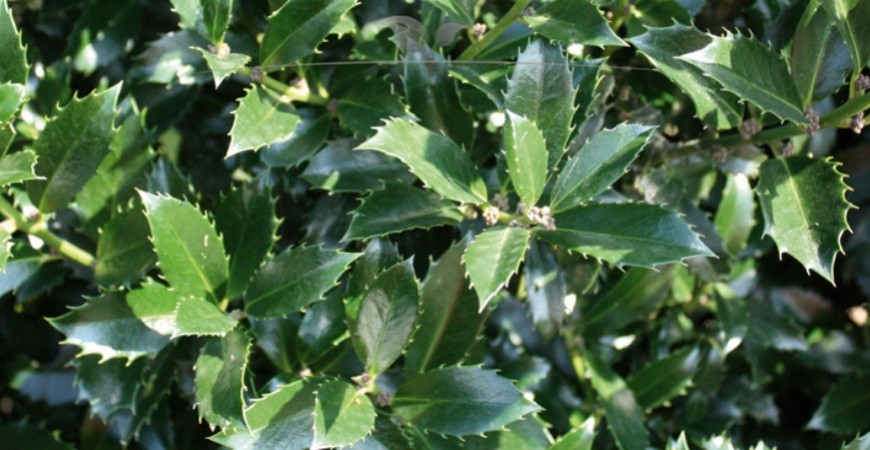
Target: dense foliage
x: 557, y: 224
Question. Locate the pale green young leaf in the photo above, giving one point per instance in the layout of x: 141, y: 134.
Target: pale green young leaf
x: 660, y: 381
x: 662, y: 46
x: 106, y: 326
x: 11, y: 98
x: 262, y: 118
x: 735, y: 217
x: 197, y: 317
x: 219, y: 379
x: 459, y: 401
x: 753, y: 71
x: 71, y: 147
x: 441, y: 164
x: 17, y: 167
x: 526, y: 155
x: 399, y: 207
x: 844, y: 407
x: 804, y: 205
x: 598, y: 164
x: 223, y: 66
x: 625, y: 419
x: 580, y: 438
x: 573, y: 22
x: 189, y: 252
x: 850, y: 18
x: 610, y: 232
x: 155, y: 305
x: 13, y: 60
x: 338, y: 168
x: 297, y: 28
x: 462, y: 11
x: 343, y: 415
x: 492, y: 258
x: 124, y: 252
x: 294, y: 279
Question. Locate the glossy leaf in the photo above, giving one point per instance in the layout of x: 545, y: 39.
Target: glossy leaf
x: 208, y: 17
x: 283, y: 419
x: 343, y: 415
x: 124, y: 252
x: 171, y: 59
x: 546, y: 289
x: 17, y: 167
x: 753, y: 71
x: 526, y: 155
x: 662, y: 46
x: 295, y: 29
x: 387, y: 317
x: 109, y: 386
x: 492, y: 258
x: 338, y: 168
x: 13, y: 60
x: 819, y: 58
x: 462, y: 11
x: 308, y: 137
x: 399, y: 207
x: 435, y: 159
x: 106, y: 326
x: 449, y: 321
x: 219, y: 380
x: 294, y: 279
x: 11, y: 98
x: 580, y: 438
x: 155, y: 305
x: 246, y: 220
x: 261, y: 119
x: 189, y: 252
x: 844, y: 408
x: 634, y: 297
x: 735, y: 216
x: 662, y: 380
x: 624, y: 417
x: 626, y: 234
x: 71, y: 147
x: 804, y: 205
x: 223, y: 66
x: 458, y: 401
x: 198, y: 317
x: 850, y: 18
x: 573, y: 22
x: 367, y: 104
x: 541, y: 90
x: 322, y: 328
x: 598, y: 164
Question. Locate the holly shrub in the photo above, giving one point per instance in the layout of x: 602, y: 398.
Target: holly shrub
x: 434, y: 224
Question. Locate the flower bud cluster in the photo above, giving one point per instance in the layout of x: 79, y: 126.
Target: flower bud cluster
x: 858, y: 122
x: 490, y: 215
x: 813, y: 117
x: 542, y: 216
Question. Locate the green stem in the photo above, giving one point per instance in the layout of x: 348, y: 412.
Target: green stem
x: 499, y: 28
x: 40, y: 230
x: 290, y: 93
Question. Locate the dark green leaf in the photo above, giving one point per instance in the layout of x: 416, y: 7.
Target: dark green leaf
x: 573, y: 22
x: 660, y: 381
x: 598, y: 164
x: 150, y: 397
x: 343, y: 415
x: 11, y: 97
x: 679, y: 444
x: 656, y: 13
x: 294, y: 279
x: 171, y: 59
x: 197, y: 317
x: 626, y: 234
x: 71, y: 148
x: 492, y: 258
x: 449, y: 321
x: 844, y: 408
x: 387, y: 317
x: 850, y: 17
x: 580, y: 438
x: 462, y: 11
x: 819, y: 58
x: 748, y: 68
x: 488, y: 79
x: 276, y: 338
x: 380, y: 255
x: 367, y: 104
x: 25, y: 435
x: 399, y: 207
x: 17, y: 167
x: 246, y: 220
x: 337, y: 168
x: 308, y: 137
x: 662, y: 46
x: 13, y: 61
x: 295, y: 30
x: 106, y: 326
x: 460, y: 400
x: 322, y: 328
x: 189, y: 251
x: 624, y: 417
x: 527, y: 434
x: 219, y: 380
x: 804, y: 205
x: 736, y: 214
x: 439, y: 162
x: 526, y: 155
x: 261, y: 119
x: 124, y: 252
x: 154, y: 304
x: 541, y: 90
x: 208, y: 17
x: 108, y: 386
x: 222, y: 65
x: 637, y: 294
x: 546, y: 289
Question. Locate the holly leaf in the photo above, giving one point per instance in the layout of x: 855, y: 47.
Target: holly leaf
x: 458, y: 401
x: 546, y: 289
x: 308, y: 137
x: 492, y: 258
x: 223, y: 65
x: 171, y: 59
x: 71, y: 147
x: 462, y: 11
x: 338, y: 168
x: 624, y: 416
x: 155, y: 306
x: 662, y: 46
x: 637, y: 294
x: 660, y: 381
x: 436, y: 160
x: 219, y: 380
x: 261, y: 119
x: 210, y: 18
x: 18, y: 167
x: 197, y: 317
x: 297, y: 27
x: 541, y: 90
x: 526, y: 155
x: 850, y: 18
x: 580, y: 438
x: 294, y: 279
x: 322, y: 328
x: 13, y: 60
x: 573, y: 22
x: 613, y: 232
x: 753, y: 71
x: 189, y: 251
x: 11, y: 97
x: 387, y: 317
x: 400, y: 207
x: 343, y: 415
x: 124, y: 252
x: 106, y: 326
x: 819, y: 57
x: 844, y: 408
x: 366, y: 104
x: 735, y: 217
x: 598, y: 164
x: 110, y: 386
x: 804, y: 205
